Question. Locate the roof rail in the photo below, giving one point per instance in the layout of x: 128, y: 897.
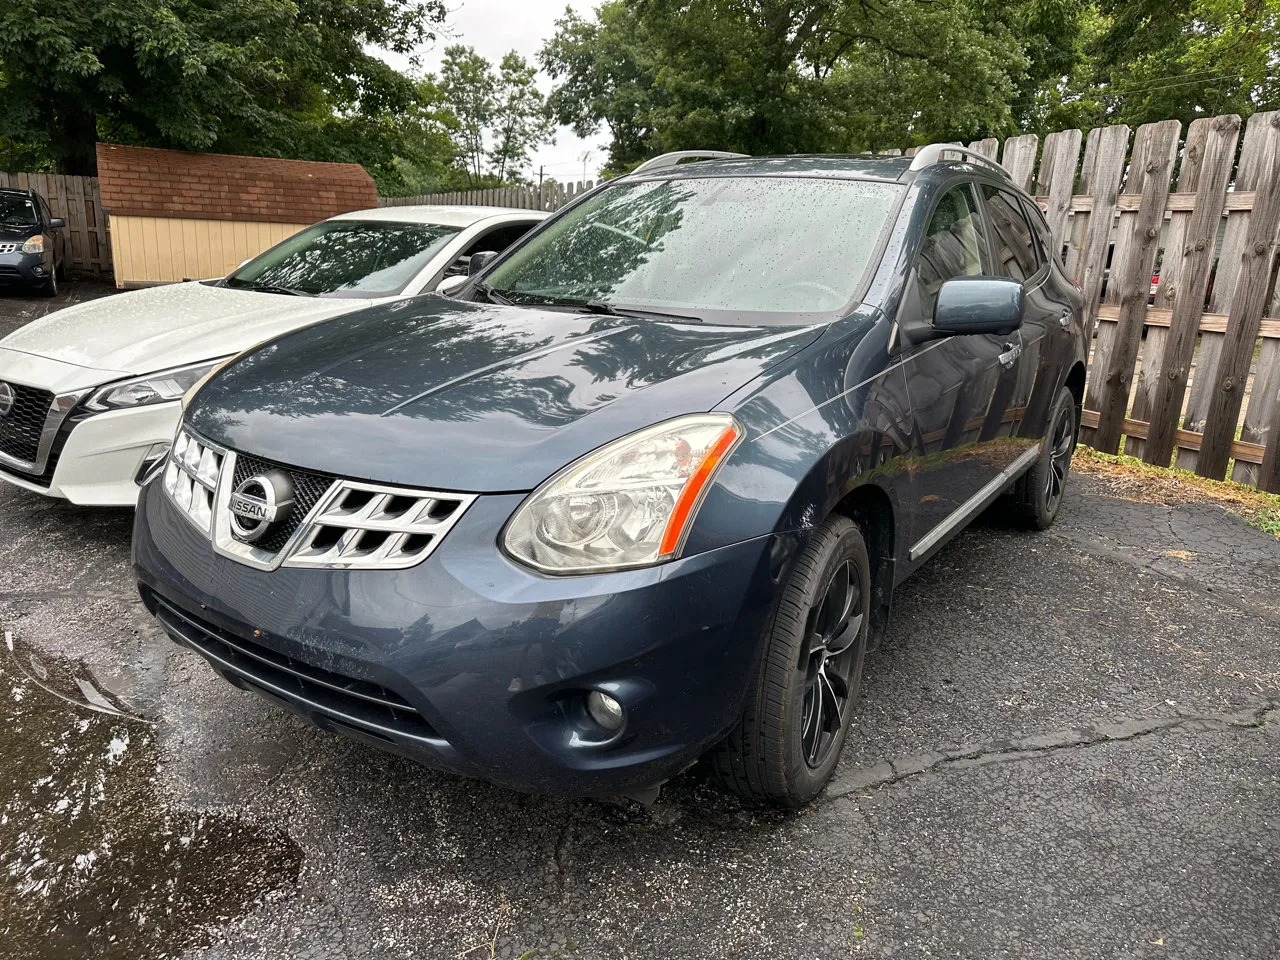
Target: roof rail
x: 928, y: 156
x: 676, y: 158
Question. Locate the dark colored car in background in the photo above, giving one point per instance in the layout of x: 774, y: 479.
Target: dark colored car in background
x: 31, y: 251
x: 643, y: 492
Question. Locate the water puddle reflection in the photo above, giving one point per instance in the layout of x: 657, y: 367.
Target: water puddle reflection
x: 95, y: 859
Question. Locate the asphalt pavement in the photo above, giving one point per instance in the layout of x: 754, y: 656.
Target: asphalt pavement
x: 1068, y: 747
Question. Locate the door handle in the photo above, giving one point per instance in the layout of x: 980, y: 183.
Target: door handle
x: 1011, y: 353
x: 1065, y: 320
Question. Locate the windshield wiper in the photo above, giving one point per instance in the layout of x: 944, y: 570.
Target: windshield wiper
x: 615, y: 310
x: 492, y: 295
x: 276, y: 288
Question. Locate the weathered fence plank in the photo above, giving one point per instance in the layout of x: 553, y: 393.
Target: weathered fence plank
x: 1101, y: 179
x: 1056, y: 180
x: 1249, y: 299
x: 1154, y: 150
x: 1184, y: 277
x: 1019, y: 158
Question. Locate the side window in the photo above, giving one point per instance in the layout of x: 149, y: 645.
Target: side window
x: 952, y: 246
x: 496, y: 240
x: 1017, y: 255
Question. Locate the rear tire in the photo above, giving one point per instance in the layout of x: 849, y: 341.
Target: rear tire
x: 788, y: 742
x: 1036, y: 498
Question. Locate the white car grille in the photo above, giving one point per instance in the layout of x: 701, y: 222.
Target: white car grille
x: 336, y: 524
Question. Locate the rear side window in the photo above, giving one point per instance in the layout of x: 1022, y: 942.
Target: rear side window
x: 952, y: 245
x: 1017, y: 254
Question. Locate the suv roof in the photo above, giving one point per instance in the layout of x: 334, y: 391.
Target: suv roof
x: 840, y: 166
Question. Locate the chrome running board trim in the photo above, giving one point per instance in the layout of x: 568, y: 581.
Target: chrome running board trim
x: 974, y: 504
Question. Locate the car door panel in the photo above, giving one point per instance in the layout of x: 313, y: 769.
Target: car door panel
x: 963, y: 389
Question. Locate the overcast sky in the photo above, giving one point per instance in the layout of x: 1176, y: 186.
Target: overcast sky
x: 495, y: 26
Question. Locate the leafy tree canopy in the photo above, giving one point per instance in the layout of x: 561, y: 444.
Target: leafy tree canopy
x: 289, y: 78
x: 778, y: 76
x: 502, y: 116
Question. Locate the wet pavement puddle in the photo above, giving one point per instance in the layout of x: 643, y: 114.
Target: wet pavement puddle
x: 96, y: 860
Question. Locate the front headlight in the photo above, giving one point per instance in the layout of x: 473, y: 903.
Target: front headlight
x: 34, y: 245
x: 629, y: 504
x: 161, y: 387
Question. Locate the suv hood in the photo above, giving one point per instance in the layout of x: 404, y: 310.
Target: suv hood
x: 8, y: 233
x: 433, y: 393
x: 160, y: 327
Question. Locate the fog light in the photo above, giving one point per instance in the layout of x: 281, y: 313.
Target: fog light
x: 605, y: 710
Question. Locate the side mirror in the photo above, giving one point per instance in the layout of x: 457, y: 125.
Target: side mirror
x: 479, y: 261
x: 57, y: 223
x: 450, y: 284
x: 972, y: 305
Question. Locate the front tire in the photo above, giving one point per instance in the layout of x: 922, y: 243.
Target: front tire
x: 788, y: 742
x: 50, y: 287
x: 1037, y: 496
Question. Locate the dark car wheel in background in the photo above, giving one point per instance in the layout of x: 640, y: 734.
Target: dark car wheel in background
x: 1036, y: 498
x: 788, y: 742
x: 50, y: 287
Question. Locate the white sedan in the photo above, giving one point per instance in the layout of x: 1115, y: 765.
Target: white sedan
x: 90, y: 396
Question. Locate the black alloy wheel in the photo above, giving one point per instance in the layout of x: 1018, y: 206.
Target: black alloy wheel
x: 1036, y: 498
x: 807, y: 673
x: 827, y: 661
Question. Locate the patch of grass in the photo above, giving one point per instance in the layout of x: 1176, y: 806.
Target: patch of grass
x: 1132, y: 479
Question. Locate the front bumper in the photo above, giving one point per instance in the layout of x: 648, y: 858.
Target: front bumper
x: 96, y: 460
x: 25, y: 268
x: 471, y: 663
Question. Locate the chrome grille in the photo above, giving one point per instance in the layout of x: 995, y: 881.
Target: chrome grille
x: 22, y: 427
x: 368, y: 526
x: 191, y: 478
x: 9, y: 247
x: 308, y: 488
x: 334, y: 523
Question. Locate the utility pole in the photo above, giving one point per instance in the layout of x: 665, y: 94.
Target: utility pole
x: 540, y: 169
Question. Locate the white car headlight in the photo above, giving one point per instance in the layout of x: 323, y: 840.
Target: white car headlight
x: 629, y: 504
x: 160, y: 387
x: 34, y: 245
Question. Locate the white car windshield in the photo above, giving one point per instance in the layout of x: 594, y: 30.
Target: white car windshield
x: 745, y: 246
x: 345, y: 258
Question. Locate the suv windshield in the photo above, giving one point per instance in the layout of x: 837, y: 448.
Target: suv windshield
x: 717, y: 247
x: 345, y: 258
x: 17, y: 211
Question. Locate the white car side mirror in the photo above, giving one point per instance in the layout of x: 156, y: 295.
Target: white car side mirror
x: 450, y: 284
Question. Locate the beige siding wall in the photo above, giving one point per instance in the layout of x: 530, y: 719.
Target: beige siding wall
x: 156, y: 250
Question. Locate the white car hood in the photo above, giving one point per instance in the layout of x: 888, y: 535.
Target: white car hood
x: 160, y: 327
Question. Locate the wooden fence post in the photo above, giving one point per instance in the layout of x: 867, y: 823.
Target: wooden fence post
x: 1249, y: 299
x: 1184, y: 276
x: 1100, y: 181
x: 1019, y: 158
x: 1154, y: 150
x: 1057, y: 179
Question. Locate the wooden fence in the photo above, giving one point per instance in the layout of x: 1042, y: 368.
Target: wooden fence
x: 76, y: 200
x: 1189, y: 376
x: 550, y: 196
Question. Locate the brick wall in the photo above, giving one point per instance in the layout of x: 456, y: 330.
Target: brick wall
x: 146, y: 182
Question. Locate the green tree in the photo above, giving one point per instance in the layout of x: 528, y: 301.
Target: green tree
x: 469, y: 87
x: 269, y: 77
x: 501, y: 117
x: 1183, y: 59
x: 520, y: 119
x: 767, y: 76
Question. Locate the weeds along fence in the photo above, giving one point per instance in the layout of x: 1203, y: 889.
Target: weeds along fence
x: 77, y: 201
x: 550, y: 196
x: 1185, y: 370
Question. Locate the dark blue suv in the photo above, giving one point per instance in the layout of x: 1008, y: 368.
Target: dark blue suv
x: 31, y: 253
x: 639, y: 493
